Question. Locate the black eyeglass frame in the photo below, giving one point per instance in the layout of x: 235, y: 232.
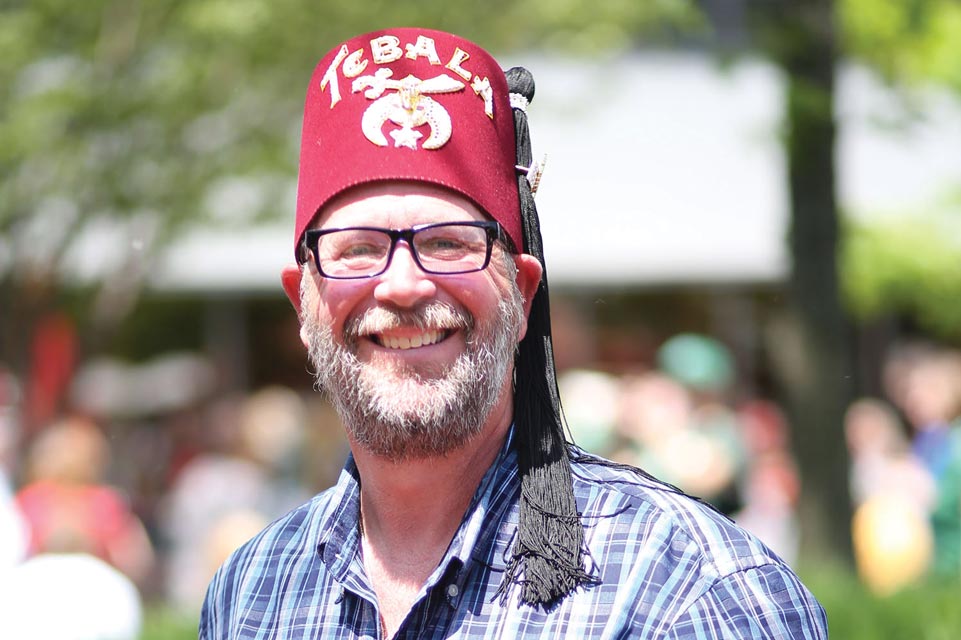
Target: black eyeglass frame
x: 493, y: 231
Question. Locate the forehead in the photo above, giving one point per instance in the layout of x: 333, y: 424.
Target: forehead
x: 396, y: 204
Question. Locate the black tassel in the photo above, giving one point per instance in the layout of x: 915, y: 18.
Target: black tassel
x: 548, y: 557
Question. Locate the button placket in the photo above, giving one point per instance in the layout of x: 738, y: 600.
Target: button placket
x: 452, y: 593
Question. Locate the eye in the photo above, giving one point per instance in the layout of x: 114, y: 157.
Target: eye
x: 361, y: 250
x: 439, y: 246
x: 353, y: 245
x: 450, y: 243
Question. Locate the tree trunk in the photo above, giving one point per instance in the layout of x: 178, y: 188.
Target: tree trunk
x: 820, y: 385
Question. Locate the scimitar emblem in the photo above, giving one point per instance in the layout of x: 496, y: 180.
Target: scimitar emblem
x: 410, y: 107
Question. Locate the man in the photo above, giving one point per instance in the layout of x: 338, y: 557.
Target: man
x: 424, y: 305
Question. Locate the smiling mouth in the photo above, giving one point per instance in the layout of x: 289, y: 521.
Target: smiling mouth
x: 424, y: 339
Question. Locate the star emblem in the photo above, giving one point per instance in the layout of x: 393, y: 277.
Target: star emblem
x: 406, y: 137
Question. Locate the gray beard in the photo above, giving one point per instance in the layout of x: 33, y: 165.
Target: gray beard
x: 398, y: 413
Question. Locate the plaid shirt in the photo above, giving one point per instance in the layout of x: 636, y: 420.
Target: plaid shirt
x: 668, y: 567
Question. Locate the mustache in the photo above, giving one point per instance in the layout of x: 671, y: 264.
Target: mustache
x: 433, y: 315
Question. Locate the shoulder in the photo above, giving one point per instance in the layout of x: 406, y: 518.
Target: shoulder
x: 663, y: 514
x: 654, y: 540
x: 38, y: 492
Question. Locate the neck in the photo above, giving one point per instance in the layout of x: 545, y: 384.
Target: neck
x: 411, y: 509
x: 418, y: 503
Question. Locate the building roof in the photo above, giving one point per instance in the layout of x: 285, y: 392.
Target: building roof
x: 662, y: 169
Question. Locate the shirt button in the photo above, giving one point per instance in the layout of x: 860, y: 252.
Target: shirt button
x: 452, y: 591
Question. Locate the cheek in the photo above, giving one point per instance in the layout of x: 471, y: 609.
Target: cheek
x: 478, y: 295
x: 338, y: 301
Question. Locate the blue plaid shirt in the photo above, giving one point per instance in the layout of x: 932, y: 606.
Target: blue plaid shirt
x: 668, y: 567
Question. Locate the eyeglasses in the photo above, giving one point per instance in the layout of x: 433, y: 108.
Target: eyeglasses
x: 444, y: 248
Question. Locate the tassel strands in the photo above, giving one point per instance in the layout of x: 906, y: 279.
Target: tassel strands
x: 548, y: 557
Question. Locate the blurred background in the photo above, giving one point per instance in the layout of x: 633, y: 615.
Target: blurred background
x: 752, y: 219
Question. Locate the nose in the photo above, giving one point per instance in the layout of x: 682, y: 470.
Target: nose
x: 404, y: 284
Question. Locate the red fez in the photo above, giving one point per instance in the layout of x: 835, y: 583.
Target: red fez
x: 409, y: 104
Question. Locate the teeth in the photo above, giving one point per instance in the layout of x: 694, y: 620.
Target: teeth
x: 423, y: 340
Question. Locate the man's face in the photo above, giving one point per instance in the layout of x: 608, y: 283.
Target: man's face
x: 415, y: 363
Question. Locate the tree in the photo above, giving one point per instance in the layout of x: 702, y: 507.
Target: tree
x: 800, y: 36
x: 907, y: 263
x: 905, y: 42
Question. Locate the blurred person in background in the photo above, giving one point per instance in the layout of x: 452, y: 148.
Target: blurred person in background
x: 69, y: 595
x: 930, y: 398
x: 86, y: 549
x: 462, y: 511
x: 881, y: 458
x: 225, y: 494
x: 893, y: 495
x: 13, y: 529
x: 591, y: 409
x: 69, y: 508
x: 770, y: 485
x: 656, y: 417
x: 705, y: 368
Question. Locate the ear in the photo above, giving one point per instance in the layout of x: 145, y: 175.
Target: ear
x: 290, y: 277
x: 528, y: 279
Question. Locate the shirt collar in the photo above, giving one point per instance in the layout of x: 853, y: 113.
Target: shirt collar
x: 340, y: 540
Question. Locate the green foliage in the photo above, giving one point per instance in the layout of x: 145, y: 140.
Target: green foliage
x: 139, y: 119
x: 906, y: 264
x: 139, y: 115
x: 161, y: 623
x: 906, y: 40
x: 924, y: 612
